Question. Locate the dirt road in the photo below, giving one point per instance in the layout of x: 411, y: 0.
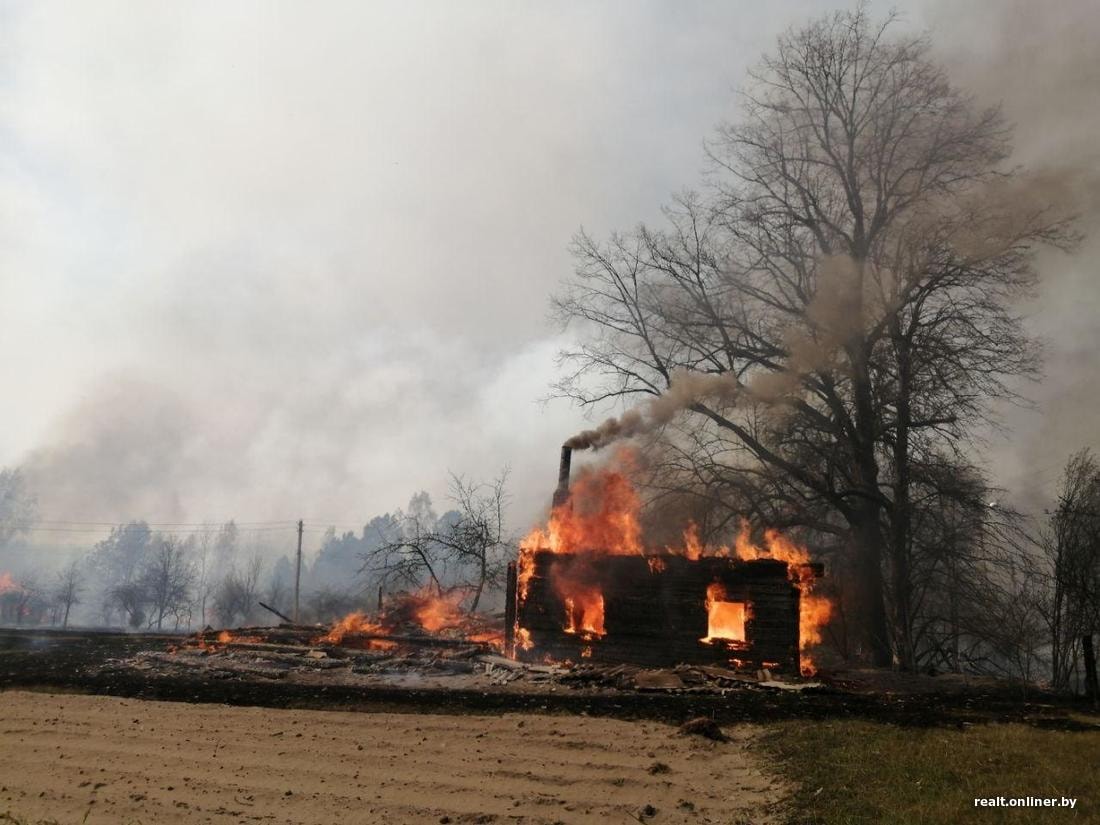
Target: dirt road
x: 130, y: 761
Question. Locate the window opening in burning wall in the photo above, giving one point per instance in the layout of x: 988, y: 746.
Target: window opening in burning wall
x: 584, y: 614
x: 725, y: 619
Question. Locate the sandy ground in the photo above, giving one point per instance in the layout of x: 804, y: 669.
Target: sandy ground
x: 130, y: 761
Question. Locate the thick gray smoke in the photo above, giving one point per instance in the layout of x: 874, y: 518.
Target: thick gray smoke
x: 686, y: 388
x: 1041, y: 61
x: 830, y: 313
x: 313, y: 310
x: 305, y: 277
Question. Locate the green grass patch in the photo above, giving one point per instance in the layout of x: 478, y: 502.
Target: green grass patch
x: 869, y: 772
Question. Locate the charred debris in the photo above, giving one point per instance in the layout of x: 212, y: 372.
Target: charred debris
x: 583, y: 615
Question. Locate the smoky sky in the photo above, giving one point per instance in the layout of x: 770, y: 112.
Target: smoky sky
x: 278, y: 260
x: 1041, y: 63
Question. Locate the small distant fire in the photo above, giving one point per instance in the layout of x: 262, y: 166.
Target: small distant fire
x: 220, y: 641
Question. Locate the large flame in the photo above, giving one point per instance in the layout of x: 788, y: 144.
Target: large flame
x: 584, y: 612
x: 602, y: 517
x: 814, y: 610
x: 725, y: 619
x: 599, y: 518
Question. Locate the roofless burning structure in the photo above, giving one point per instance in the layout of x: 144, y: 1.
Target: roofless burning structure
x: 586, y: 587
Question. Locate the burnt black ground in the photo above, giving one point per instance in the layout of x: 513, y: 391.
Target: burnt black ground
x: 71, y: 661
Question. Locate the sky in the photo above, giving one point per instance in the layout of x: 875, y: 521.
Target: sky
x: 272, y: 260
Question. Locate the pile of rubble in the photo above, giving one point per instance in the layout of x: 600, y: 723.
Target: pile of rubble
x: 306, y: 655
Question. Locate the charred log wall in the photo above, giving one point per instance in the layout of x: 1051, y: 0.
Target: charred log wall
x: 655, y: 610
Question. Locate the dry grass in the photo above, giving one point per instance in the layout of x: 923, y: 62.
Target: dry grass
x: 867, y: 772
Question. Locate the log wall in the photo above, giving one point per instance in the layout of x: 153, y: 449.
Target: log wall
x: 656, y: 615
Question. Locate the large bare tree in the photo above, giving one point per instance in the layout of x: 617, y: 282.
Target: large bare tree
x: 849, y: 276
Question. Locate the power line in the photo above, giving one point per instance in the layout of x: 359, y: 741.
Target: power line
x: 104, y: 528
x: 184, y: 531
x: 208, y: 525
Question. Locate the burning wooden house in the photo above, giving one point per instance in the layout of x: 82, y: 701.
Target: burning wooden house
x: 587, y: 588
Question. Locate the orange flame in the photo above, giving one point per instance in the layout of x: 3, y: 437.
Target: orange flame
x: 352, y: 623
x: 814, y: 610
x: 492, y: 637
x: 523, y: 638
x: 584, y: 613
x: 725, y: 620
x: 434, y: 612
x: 427, y: 609
x: 601, y: 517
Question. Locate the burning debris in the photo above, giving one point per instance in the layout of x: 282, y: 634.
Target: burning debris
x: 589, y: 605
x: 426, y: 640
x: 287, y: 653
x: 410, y: 620
x: 587, y: 587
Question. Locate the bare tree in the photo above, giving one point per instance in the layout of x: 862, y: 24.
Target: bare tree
x: 204, y: 570
x: 477, y: 539
x: 412, y: 557
x: 278, y: 591
x: 167, y: 579
x: 132, y: 600
x: 465, y: 550
x: 68, y: 588
x: 116, y: 562
x: 238, y: 593
x: 849, y: 282
x: 1072, y: 545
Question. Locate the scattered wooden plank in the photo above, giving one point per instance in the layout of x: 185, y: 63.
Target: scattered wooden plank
x: 657, y: 680
x: 500, y: 661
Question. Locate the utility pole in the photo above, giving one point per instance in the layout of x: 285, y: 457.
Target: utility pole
x: 298, y: 573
